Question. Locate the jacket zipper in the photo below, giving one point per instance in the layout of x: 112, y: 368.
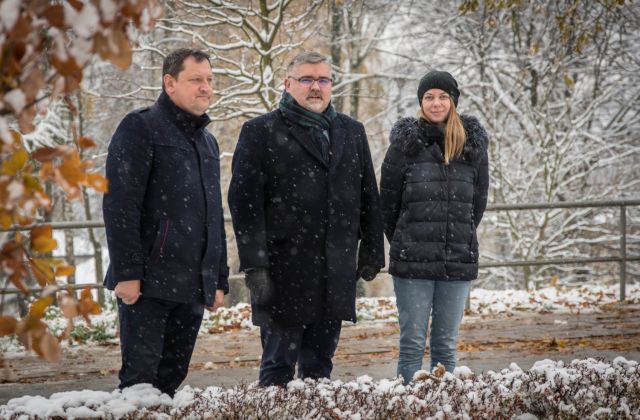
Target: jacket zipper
x: 446, y: 231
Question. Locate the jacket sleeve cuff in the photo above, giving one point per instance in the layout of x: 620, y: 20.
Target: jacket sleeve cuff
x: 253, y: 258
x: 223, y: 284
x: 131, y: 272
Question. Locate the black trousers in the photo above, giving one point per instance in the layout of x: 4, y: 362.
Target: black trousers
x: 311, y: 346
x: 157, y: 338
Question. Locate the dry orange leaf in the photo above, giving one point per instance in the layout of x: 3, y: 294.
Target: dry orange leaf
x: 46, y: 171
x: 68, y: 68
x: 122, y: 56
x: 65, y: 270
x: 76, y: 4
x: 24, y: 220
x: 45, y: 154
x: 55, y: 15
x: 68, y: 306
x: 5, y: 219
x: 86, y: 293
x: 15, y: 162
x: 25, y: 119
x: 8, y: 325
x: 48, y: 348
x: 101, y: 45
x: 23, y: 336
x: 85, y: 142
x: 98, y: 182
x: 67, y: 331
x: 39, y: 307
x: 22, y: 27
x: 36, y: 327
x: 86, y: 305
x: 72, y: 83
x: 439, y: 371
x: 70, y: 169
x: 32, y: 184
x: 16, y: 138
x: 16, y: 279
x: 43, y: 244
x: 42, y: 239
x: 32, y: 83
x: 113, y: 45
x: 42, y: 271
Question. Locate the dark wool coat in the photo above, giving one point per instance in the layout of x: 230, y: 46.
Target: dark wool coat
x: 431, y: 210
x: 302, y: 219
x: 163, y: 212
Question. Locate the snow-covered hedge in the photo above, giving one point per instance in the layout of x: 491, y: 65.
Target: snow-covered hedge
x: 582, y: 389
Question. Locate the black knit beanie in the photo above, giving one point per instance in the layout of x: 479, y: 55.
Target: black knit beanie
x: 439, y: 80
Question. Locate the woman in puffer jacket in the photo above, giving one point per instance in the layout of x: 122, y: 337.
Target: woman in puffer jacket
x: 434, y: 185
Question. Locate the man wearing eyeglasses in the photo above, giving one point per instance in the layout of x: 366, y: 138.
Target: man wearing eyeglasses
x: 307, y: 219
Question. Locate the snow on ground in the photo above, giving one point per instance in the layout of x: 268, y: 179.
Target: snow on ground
x: 494, y: 302
x: 583, y: 388
x: 482, y: 302
x: 381, y: 309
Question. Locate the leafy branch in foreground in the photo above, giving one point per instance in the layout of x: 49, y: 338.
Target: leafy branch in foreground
x: 44, y: 47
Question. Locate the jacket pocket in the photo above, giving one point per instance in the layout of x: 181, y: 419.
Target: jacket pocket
x: 397, y: 251
x: 160, y: 242
x: 473, y: 245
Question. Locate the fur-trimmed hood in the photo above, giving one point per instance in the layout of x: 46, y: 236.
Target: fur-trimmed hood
x: 412, y: 134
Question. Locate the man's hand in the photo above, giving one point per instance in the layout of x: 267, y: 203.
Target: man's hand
x: 367, y: 272
x: 218, y: 301
x: 128, y: 291
x: 260, y: 285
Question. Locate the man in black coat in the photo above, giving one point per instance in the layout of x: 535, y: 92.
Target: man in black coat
x: 308, y: 224
x: 164, y: 224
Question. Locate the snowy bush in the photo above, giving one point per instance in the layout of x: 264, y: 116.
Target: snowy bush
x: 582, y: 389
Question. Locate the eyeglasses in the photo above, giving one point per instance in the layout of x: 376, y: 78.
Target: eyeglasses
x: 305, y: 81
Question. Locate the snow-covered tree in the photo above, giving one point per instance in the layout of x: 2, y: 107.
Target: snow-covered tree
x: 249, y: 43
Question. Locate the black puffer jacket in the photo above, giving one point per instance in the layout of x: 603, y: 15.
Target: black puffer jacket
x: 431, y: 210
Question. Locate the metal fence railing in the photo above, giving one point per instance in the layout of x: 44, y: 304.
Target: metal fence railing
x: 622, y: 258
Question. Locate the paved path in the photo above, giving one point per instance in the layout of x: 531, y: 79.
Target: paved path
x: 231, y: 358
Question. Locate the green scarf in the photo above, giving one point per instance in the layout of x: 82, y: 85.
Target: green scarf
x: 318, y: 124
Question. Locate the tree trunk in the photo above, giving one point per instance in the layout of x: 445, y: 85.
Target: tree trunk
x: 95, y: 242
x: 355, y: 98
x: 336, y: 47
x: 67, y: 215
x: 97, y: 247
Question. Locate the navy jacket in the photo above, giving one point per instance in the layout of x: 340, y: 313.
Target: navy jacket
x: 163, y: 212
x: 431, y: 210
x: 311, y: 224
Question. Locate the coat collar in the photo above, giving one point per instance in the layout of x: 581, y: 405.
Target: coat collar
x: 429, y: 133
x: 302, y: 136
x: 185, y: 121
x: 337, y: 141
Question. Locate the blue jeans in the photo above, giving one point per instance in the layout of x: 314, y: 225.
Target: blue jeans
x: 417, y: 301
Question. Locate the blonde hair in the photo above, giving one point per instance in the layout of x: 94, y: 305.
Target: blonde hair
x: 454, y: 134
